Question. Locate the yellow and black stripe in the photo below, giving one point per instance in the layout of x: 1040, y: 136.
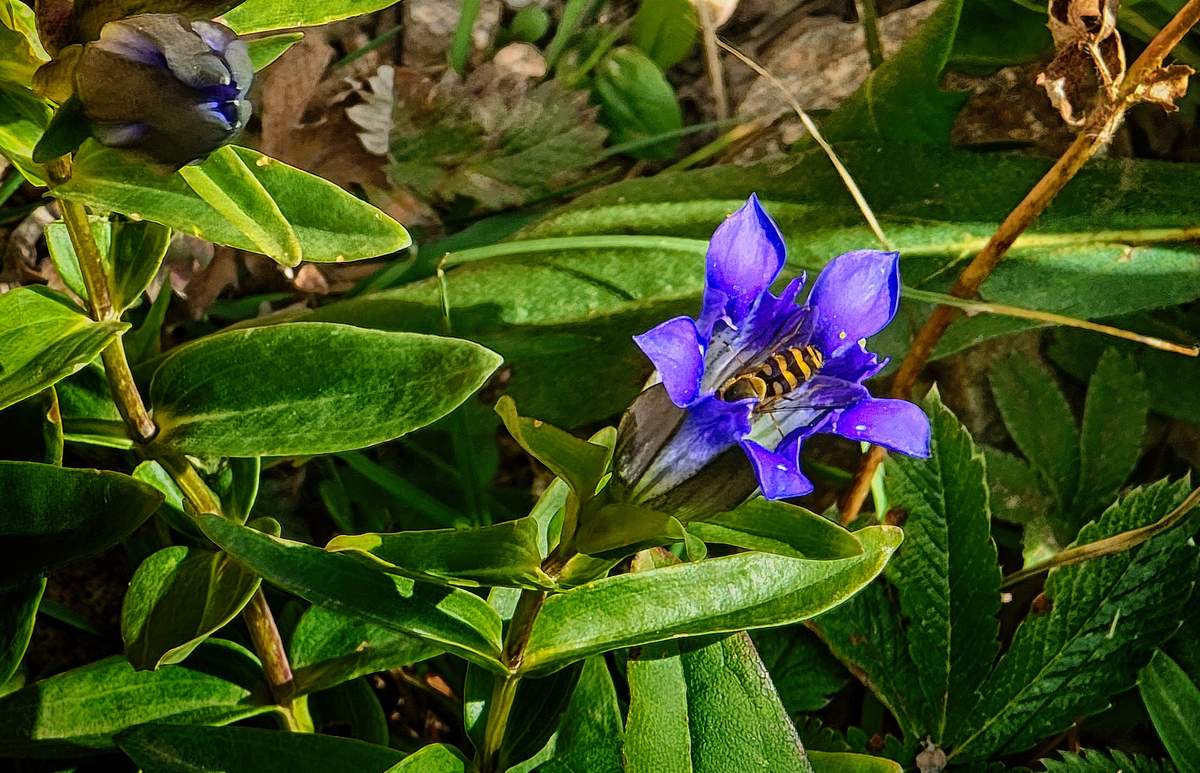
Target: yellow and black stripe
x: 779, y: 374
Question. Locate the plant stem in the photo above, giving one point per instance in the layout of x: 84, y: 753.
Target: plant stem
x: 505, y: 690
x: 1117, y: 543
x: 870, y: 22
x: 1095, y: 136
x: 141, y: 428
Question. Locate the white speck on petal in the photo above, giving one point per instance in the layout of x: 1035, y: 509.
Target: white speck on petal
x: 860, y: 427
x: 781, y: 467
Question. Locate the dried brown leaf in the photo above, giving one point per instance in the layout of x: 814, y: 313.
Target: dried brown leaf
x: 1089, y: 60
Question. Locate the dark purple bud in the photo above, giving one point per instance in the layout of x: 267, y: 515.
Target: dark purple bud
x: 168, y: 87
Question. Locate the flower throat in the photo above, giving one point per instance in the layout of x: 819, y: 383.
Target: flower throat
x: 779, y: 374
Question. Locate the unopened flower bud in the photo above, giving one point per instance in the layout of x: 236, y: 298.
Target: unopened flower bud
x: 172, y: 88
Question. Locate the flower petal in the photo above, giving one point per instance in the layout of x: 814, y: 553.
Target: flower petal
x: 675, y: 349
x: 710, y: 427
x: 778, y: 471
x: 857, y: 294
x: 897, y: 425
x: 855, y: 364
x: 745, y: 255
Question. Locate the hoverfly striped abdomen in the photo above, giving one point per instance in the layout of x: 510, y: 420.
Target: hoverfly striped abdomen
x: 779, y: 374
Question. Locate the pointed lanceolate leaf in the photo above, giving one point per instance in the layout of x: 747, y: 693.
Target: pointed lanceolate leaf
x: 1114, y: 420
x: 328, y: 648
x: 460, y: 621
x: 778, y: 527
x: 946, y: 573
x: 18, y: 609
x: 1106, y: 617
x: 79, y: 711
x: 43, y: 339
x: 434, y: 758
x: 132, y: 254
x: 330, y: 224
x: 751, y: 590
x: 184, y: 749
x: 589, y: 733
x: 271, y: 391
x: 50, y: 515
x: 503, y: 554
x: 178, y: 597
x: 691, y: 703
x: 263, y: 15
x: 579, y: 462
x: 1173, y: 701
x: 846, y: 762
x: 264, y: 51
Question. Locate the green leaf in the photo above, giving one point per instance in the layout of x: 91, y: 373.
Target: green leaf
x: 330, y: 224
x: 68, y: 130
x: 23, y: 119
x: 589, y: 733
x: 226, y: 184
x: 22, y: 50
x: 902, y: 99
x: 691, y: 705
x: 181, y: 749
x: 132, y: 254
x: 329, y: 648
x: 1094, y: 761
x: 50, y: 515
x: 1114, y: 420
x: 434, y: 758
x: 263, y: 15
x: 619, y: 529
x: 947, y: 572
x: 1107, y: 616
x: 750, y: 590
x: 579, y: 462
x: 1173, y: 701
x: 665, y: 30
x: 803, y: 671
x: 845, y: 762
x: 1016, y: 495
x: 264, y: 51
x: 777, y: 527
x: 1041, y: 424
x: 270, y: 391
x: 865, y: 635
x: 637, y: 102
x: 351, y: 710
x: 503, y: 554
x: 79, y: 711
x: 44, y: 339
x: 460, y: 621
x: 18, y: 609
x: 178, y: 597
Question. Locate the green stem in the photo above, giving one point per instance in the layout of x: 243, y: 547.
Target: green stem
x: 870, y: 21
x: 505, y: 690
x: 141, y: 427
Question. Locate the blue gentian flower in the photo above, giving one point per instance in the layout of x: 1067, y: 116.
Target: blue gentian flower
x: 764, y: 373
x: 173, y: 88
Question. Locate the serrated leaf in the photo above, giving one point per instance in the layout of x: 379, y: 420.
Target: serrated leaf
x: 330, y: 224
x: 79, y: 711
x: 178, y: 597
x: 865, y: 635
x: 1041, y: 424
x: 176, y: 749
x: 707, y: 706
x: 44, y: 339
x: 1173, y: 701
x: 1096, y: 761
x: 1114, y: 420
x: 751, y: 590
x: 268, y: 391
x: 1106, y: 618
x: 460, y: 621
x: 946, y: 572
x: 1015, y: 493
